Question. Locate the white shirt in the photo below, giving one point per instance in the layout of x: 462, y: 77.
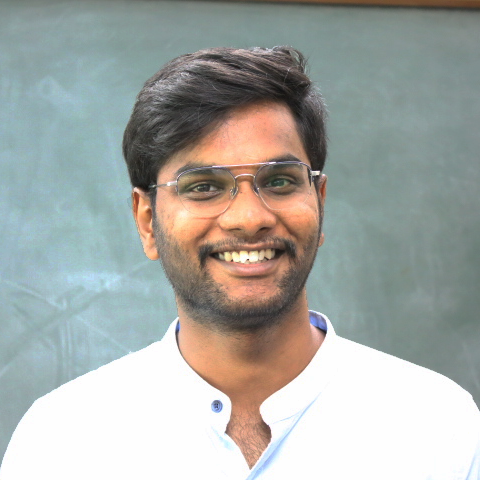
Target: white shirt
x: 353, y: 413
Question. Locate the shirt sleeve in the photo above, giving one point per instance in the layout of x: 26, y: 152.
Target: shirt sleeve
x: 12, y: 467
x: 468, y: 442
x: 37, y: 449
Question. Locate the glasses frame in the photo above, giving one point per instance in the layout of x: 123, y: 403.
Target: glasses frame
x: 234, y: 191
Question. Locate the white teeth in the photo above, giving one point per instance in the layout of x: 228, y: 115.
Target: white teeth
x: 269, y: 253
x: 243, y: 256
x: 254, y: 256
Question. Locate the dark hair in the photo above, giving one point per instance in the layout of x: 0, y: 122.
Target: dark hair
x: 191, y: 94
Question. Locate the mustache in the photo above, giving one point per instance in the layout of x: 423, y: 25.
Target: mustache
x: 236, y: 244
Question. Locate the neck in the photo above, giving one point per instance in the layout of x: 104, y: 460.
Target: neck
x: 254, y: 365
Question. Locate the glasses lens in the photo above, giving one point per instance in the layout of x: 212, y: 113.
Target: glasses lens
x: 283, y: 185
x: 205, y: 191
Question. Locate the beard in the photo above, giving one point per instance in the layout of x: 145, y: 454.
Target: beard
x: 207, y: 302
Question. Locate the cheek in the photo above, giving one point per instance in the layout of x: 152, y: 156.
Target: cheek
x: 304, y: 225
x: 185, y: 229
x: 305, y: 217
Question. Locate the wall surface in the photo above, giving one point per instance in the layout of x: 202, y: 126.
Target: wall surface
x: 400, y: 268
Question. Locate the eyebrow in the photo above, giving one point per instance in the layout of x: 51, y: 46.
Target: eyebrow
x: 281, y: 158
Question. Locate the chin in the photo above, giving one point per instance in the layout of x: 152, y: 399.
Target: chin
x: 242, y: 314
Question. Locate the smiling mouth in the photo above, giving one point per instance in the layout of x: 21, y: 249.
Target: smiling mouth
x: 248, y: 257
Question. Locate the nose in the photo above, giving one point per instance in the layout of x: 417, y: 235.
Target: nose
x: 247, y: 214
x: 235, y: 188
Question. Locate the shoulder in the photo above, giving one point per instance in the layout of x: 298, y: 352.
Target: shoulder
x: 373, y: 367
x: 368, y: 370
x: 110, y: 388
x: 122, y: 374
x: 106, y: 416
x: 406, y: 394
x: 397, y: 404
x: 408, y: 386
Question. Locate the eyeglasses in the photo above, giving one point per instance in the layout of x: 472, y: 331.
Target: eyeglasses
x: 209, y: 191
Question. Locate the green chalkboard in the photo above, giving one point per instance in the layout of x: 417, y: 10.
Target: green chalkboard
x: 400, y: 267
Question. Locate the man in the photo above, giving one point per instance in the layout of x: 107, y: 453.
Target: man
x: 225, y: 150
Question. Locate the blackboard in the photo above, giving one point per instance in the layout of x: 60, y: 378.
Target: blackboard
x: 400, y: 267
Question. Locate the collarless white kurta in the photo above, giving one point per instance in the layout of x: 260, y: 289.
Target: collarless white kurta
x: 353, y: 413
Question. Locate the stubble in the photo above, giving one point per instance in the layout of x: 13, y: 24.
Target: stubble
x: 208, y: 303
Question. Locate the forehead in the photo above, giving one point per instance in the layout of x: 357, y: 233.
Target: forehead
x: 252, y: 134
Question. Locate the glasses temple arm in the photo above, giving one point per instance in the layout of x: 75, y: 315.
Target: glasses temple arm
x: 168, y: 184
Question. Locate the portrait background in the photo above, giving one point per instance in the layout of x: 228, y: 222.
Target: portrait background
x: 400, y: 268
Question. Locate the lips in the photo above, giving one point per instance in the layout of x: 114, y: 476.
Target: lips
x: 245, y: 253
x: 247, y: 256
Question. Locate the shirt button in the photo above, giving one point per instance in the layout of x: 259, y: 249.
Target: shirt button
x: 217, y: 406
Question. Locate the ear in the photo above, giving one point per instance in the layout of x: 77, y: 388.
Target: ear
x: 143, y: 214
x: 322, y: 195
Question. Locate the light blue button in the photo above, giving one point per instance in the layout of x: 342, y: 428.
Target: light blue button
x: 217, y: 406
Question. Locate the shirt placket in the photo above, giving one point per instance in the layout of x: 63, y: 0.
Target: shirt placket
x: 231, y: 462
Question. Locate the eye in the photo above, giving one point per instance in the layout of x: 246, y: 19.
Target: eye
x: 280, y: 185
x: 204, y: 188
x: 278, y: 182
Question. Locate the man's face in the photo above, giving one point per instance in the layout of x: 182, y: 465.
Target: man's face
x: 227, y: 295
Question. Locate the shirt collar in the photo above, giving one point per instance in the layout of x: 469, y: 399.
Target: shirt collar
x: 289, y: 401
x: 297, y: 395
x: 197, y: 394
